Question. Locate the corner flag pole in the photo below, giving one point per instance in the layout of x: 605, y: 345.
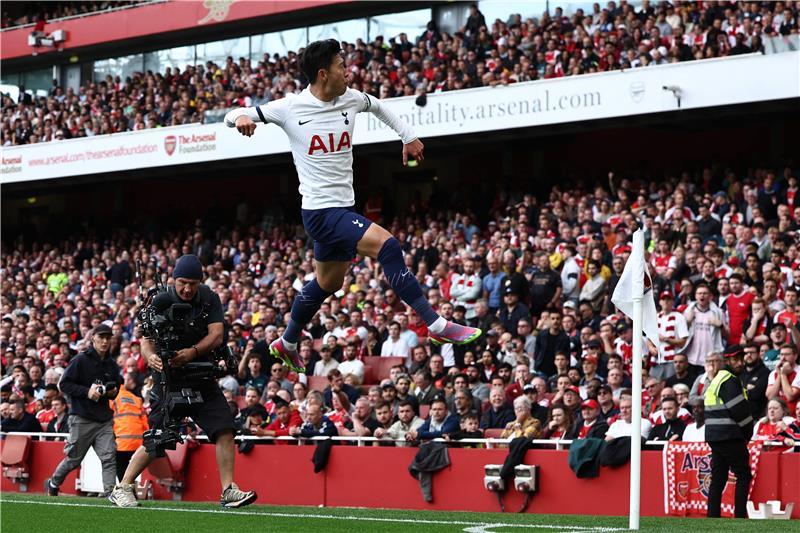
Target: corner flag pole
x: 634, y: 298
x: 636, y: 408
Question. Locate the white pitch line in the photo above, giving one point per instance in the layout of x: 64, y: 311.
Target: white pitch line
x: 320, y: 516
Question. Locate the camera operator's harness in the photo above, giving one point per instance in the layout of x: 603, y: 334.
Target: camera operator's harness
x: 166, y: 322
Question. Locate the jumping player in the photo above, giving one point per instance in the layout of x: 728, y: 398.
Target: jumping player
x: 319, y: 122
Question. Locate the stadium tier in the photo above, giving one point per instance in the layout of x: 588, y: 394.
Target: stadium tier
x: 440, y: 307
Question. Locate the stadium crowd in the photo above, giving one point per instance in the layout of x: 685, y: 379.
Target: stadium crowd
x: 482, y: 53
x: 537, y: 277
x: 49, y: 11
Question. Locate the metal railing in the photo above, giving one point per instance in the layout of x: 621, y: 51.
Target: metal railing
x: 90, y: 14
x: 488, y: 443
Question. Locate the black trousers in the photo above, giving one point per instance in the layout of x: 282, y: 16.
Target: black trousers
x: 123, y: 458
x: 729, y: 455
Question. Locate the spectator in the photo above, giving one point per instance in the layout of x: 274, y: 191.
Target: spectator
x: 622, y: 426
x: 439, y: 423
x: 512, y: 310
x: 784, y: 381
x: 250, y: 374
x: 672, y: 427
x: 337, y: 384
x: 394, y: 345
x: 545, y: 287
x: 712, y: 366
x: 340, y: 410
x: 466, y: 288
x: 559, y: 422
x: 326, y: 362
x: 468, y: 430
x: 605, y: 398
x: 360, y: 423
x: 696, y: 431
x: 351, y: 365
x: 737, y: 305
x: 708, y: 326
x: 499, y: 413
x: 316, y: 424
x: 493, y: 285
x: 682, y: 372
x: 591, y: 425
x: 407, y: 421
x: 20, y: 421
x: 524, y: 425
x: 538, y: 411
x: 60, y: 422
x: 755, y: 377
x: 777, y: 421
x: 286, y: 418
x: 672, y: 336
x: 384, y: 419
x: 278, y: 374
x: 550, y: 341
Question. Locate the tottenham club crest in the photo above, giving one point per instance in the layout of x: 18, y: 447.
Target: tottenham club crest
x: 637, y: 89
x: 170, y: 143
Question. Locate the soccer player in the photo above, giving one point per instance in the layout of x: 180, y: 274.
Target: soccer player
x: 320, y: 123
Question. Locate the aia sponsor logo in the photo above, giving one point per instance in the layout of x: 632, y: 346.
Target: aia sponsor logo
x: 170, y: 143
x: 319, y: 144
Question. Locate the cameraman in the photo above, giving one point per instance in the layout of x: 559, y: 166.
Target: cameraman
x: 90, y: 380
x: 213, y: 415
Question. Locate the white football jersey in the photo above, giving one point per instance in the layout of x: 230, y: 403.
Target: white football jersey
x: 321, y: 138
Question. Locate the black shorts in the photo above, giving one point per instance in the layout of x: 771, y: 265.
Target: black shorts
x: 213, y: 415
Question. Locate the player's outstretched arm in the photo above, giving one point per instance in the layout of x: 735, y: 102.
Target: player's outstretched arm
x: 241, y: 120
x: 244, y: 118
x: 412, y: 146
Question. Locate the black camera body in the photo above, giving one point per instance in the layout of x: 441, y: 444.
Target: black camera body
x: 173, y: 325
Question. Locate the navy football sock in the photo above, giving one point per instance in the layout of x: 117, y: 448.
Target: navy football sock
x: 403, y: 281
x: 305, y: 306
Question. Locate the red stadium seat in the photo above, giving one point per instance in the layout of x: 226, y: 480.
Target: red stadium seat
x: 386, y: 363
x: 319, y: 383
x: 370, y: 373
x: 424, y: 411
x: 492, y: 433
x: 14, y: 457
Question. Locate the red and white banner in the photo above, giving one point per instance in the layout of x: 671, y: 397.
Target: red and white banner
x: 687, y: 478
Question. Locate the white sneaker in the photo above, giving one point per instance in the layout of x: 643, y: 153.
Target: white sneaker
x: 232, y: 497
x: 123, y: 496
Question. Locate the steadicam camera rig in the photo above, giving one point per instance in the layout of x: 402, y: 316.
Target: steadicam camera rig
x: 165, y: 321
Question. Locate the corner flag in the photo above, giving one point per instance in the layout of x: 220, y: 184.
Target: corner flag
x: 636, y: 281
x: 634, y: 297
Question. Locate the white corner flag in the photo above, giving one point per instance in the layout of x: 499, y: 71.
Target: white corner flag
x: 635, y: 281
x: 634, y: 297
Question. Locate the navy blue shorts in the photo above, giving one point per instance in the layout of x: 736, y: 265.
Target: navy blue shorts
x: 336, y: 232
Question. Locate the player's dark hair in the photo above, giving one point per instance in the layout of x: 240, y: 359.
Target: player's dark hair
x: 318, y: 55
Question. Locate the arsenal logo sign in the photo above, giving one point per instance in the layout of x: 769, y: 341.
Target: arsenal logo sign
x: 169, y: 144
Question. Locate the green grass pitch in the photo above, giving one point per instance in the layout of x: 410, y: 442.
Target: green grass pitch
x: 23, y: 513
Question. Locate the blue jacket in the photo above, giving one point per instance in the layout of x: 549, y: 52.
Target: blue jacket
x: 325, y: 429
x: 451, y: 425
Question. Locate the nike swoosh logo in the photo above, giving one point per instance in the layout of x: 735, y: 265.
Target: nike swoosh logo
x: 300, y: 122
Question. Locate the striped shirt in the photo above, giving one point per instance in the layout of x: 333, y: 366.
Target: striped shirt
x: 673, y: 326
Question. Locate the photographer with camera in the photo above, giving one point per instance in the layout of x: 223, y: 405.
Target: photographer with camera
x: 90, y: 380
x: 194, y: 312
